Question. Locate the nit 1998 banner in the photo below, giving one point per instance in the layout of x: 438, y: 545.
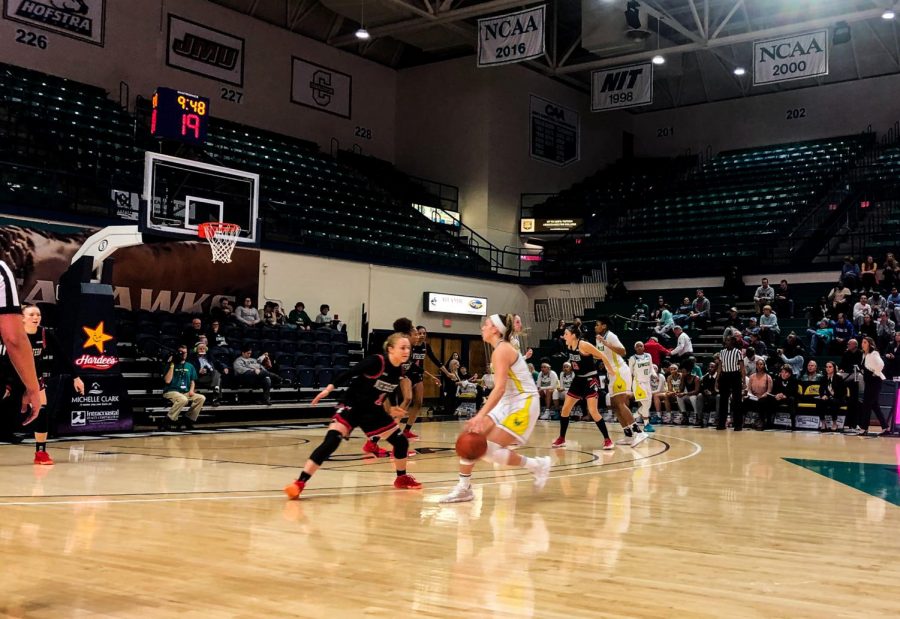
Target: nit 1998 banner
x: 621, y: 87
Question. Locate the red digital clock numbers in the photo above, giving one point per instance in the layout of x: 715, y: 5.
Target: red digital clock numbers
x: 179, y: 116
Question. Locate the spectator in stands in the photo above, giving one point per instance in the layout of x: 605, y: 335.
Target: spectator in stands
x: 892, y: 357
x: 758, y: 345
x: 733, y: 320
x: 843, y: 333
x: 683, y: 345
x: 579, y: 325
x: 249, y: 372
x: 851, y: 358
x: 868, y: 328
x: 656, y: 350
x: 707, y: 398
x: 832, y: 395
x: 850, y: 273
x: 657, y: 386
x: 733, y: 283
x: 700, y: 311
x: 890, y: 272
x: 795, y: 362
x: 246, y: 314
x: 751, y: 328
x: 768, y: 325
x: 664, y: 324
x: 784, y: 305
x: 893, y: 303
x: 784, y: 393
x: 763, y: 296
x: 820, y: 337
x: 559, y: 341
x: 547, y: 384
x: 750, y: 358
x: 179, y: 378
x: 191, y: 335
x: 793, y: 346
x: 878, y: 304
x: 661, y: 305
x: 449, y: 379
x: 664, y: 399
x: 817, y: 312
x: 811, y: 376
x: 872, y: 366
x: 838, y: 297
x: 683, y: 313
x: 299, y: 318
x: 759, y: 393
x: 216, y: 339
x: 223, y: 312
x: 272, y: 315
x: 209, y: 372
x: 861, y: 309
x: 325, y: 319
x: 688, y: 394
x: 615, y: 289
x: 641, y: 310
x: 869, y: 273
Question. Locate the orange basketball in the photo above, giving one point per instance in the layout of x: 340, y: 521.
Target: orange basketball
x: 471, y: 446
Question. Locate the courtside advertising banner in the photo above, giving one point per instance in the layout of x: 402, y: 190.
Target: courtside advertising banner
x: 795, y: 57
x: 621, y: 87
x: 511, y: 38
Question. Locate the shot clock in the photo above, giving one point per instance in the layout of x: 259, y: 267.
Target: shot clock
x: 179, y: 116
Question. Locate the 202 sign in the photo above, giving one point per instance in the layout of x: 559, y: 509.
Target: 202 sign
x: 795, y: 113
x: 26, y: 37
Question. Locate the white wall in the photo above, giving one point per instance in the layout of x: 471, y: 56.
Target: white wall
x: 135, y: 52
x: 835, y: 109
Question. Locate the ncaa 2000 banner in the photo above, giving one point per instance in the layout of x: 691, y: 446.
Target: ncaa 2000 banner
x: 796, y: 57
x: 511, y: 38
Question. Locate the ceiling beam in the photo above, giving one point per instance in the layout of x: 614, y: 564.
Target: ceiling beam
x: 697, y: 18
x: 727, y: 19
x: 671, y: 22
x: 408, y: 7
x: 414, y: 25
x: 735, y: 39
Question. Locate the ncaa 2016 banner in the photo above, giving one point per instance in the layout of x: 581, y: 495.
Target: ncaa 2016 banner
x: 511, y: 38
x: 621, y: 87
x: 796, y: 57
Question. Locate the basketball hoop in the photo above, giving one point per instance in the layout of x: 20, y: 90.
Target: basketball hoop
x: 222, y: 238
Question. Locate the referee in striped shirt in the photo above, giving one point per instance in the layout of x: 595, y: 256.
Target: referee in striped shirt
x: 730, y: 383
x: 15, y: 345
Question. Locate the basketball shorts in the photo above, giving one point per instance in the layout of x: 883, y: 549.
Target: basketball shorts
x: 621, y: 382
x: 370, y: 419
x: 642, y: 391
x: 584, y: 388
x: 517, y: 415
x: 415, y: 376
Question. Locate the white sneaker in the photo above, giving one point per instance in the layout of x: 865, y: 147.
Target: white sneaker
x: 638, y: 438
x: 625, y: 440
x: 542, y: 472
x: 459, y: 494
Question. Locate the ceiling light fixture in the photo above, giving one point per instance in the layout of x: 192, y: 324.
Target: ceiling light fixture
x: 740, y: 71
x: 888, y: 14
x: 362, y: 34
x: 658, y: 60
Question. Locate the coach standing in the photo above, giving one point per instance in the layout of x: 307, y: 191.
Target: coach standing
x: 15, y: 342
x: 730, y: 384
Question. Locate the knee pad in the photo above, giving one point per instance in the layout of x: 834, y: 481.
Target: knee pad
x: 496, y: 454
x: 327, y: 447
x: 42, y: 422
x: 400, y: 444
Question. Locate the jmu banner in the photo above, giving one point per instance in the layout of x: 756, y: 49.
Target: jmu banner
x: 620, y: 87
x: 796, y: 57
x: 511, y: 38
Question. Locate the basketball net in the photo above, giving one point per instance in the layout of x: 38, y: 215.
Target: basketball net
x: 222, y: 238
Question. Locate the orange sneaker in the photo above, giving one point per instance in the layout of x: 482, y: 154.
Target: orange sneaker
x: 406, y: 482
x: 294, y: 489
x: 371, y: 448
x: 42, y: 457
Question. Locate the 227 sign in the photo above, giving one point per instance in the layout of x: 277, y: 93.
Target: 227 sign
x: 84, y: 20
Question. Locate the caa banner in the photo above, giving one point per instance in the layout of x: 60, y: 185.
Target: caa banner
x: 320, y: 88
x: 511, y: 38
x: 554, y: 131
x: 790, y: 58
x: 621, y: 87
x: 79, y: 19
x: 202, y: 50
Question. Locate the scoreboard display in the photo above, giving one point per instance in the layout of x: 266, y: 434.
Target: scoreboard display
x: 179, y: 116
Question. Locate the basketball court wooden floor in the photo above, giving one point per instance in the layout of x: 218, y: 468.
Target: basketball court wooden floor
x: 694, y: 523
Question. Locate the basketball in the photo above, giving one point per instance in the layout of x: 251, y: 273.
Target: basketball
x: 471, y: 446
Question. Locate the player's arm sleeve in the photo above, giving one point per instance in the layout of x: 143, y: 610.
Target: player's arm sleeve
x: 433, y: 357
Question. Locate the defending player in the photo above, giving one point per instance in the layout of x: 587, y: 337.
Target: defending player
x: 620, y: 384
x: 641, y: 367
x: 366, y: 403
x: 509, y: 414
x: 585, y: 386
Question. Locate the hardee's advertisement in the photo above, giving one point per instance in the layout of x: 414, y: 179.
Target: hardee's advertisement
x: 100, y: 342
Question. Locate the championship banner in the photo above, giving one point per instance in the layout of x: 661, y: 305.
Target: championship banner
x: 796, y: 57
x: 511, y: 38
x: 554, y: 131
x: 621, y: 87
x: 320, y: 87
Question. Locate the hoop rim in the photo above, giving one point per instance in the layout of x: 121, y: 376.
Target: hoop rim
x: 209, y: 229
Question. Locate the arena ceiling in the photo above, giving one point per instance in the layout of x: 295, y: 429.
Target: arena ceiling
x: 703, y: 41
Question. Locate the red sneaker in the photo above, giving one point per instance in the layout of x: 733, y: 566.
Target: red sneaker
x: 294, y: 489
x: 608, y: 444
x: 42, y: 457
x: 410, y: 435
x: 406, y: 482
x: 560, y: 442
x: 371, y: 448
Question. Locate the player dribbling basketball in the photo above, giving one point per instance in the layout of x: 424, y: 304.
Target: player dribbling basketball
x: 508, y: 416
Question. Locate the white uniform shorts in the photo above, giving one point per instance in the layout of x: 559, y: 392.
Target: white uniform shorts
x: 621, y: 383
x: 517, y: 415
x: 642, y: 391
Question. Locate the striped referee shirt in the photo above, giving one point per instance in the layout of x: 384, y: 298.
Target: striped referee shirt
x: 9, y: 295
x: 731, y: 360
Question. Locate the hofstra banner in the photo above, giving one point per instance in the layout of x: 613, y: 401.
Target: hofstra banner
x: 620, y: 87
x: 78, y: 19
x: 511, y: 38
x: 796, y: 57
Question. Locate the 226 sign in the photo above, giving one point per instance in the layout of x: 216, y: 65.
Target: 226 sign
x: 84, y: 20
